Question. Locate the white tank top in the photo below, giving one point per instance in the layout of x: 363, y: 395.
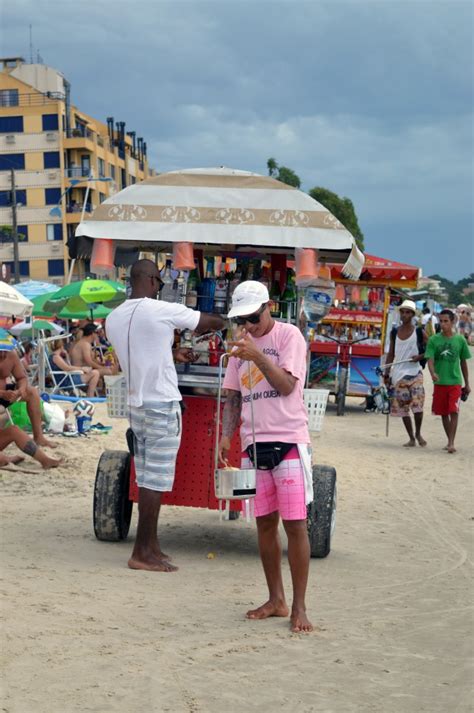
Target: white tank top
x: 405, y: 349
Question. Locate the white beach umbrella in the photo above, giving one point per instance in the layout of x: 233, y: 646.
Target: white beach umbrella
x: 226, y: 207
x: 13, y: 303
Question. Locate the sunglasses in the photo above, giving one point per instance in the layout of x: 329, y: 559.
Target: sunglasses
x: 251, y: 318
x: 162, y: 284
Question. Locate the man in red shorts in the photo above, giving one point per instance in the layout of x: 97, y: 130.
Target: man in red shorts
x: 268, y: 365
x: 447, y: 353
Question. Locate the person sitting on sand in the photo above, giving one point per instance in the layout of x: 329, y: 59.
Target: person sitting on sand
x: 407, y: 378
x: 13, y: 434
x: 59, y: 360
x: 11, y: 367
x: 447, y: 353
x: 82, y: 353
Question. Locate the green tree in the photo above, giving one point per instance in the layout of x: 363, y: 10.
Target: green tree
x: 342, y: 209
x: 283, y: 174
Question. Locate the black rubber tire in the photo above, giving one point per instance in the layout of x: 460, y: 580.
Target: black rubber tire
x: 112, y: 507
x: 341, y: 391
x: 321, y: 513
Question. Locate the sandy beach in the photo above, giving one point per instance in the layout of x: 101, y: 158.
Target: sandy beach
x: 391, y: 603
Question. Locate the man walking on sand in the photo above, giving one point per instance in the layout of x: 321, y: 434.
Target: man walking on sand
x: 141, y: 331
x: 447, y: 353
x: 407, y: 346
x: 268, y: 365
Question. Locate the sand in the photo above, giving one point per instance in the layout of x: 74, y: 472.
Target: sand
x: 391, y: 603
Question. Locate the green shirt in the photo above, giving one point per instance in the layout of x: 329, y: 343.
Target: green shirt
x: 447, y: 353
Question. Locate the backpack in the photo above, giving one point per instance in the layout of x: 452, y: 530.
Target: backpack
x: 419, y: 340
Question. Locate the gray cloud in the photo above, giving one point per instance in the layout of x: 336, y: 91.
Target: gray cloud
x: 371, y: 99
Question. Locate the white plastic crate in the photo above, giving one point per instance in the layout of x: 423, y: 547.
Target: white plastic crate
x: 116, y: 392
x: 316, y: 401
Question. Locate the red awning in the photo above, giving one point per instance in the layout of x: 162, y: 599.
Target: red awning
x: 378, y: 268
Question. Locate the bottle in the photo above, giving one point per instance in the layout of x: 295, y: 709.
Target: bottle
x: 275, y: 296
x: 207, y: 289
x: 265, y: 277
x: 288, y: 298
x: 192, y: 289
x: 167, y: 293
x: 220, y: 294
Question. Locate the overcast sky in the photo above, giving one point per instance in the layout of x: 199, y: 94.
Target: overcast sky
x: 372, y: 100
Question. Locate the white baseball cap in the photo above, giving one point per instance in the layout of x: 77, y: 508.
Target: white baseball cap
x: 408, y: 304
x: 248, y: 297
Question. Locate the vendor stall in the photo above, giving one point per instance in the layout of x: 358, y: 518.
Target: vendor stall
x: 346, y: 346
x: 216, y: 227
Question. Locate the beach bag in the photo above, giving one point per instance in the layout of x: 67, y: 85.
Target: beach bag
x: 419, y: 341
x: 269, y: 455
x: 19, y: 415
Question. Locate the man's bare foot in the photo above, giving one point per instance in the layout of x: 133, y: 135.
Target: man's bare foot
x: 300, y: 622
x: 410, y: 444
x: 45, y: 443
x: 7, y: 460
x: 268, y: 609
x: 451, y: 449
x: 48, y: 462
x: 154, y: 564
x: 421, y: 441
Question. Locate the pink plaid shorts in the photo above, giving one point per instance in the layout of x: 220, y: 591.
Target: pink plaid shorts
x: 281, y: 489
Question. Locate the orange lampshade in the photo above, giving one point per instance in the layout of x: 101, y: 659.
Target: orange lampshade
x: 183, y: 256
x: 324, y: 272
x: 306, y: 264
x: 103, y: 255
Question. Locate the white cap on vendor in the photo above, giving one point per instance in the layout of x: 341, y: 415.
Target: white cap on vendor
x: 247, y: 298
x: 408, y: 304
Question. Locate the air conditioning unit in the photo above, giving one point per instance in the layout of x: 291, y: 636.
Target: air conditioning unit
x: 56, y: 247
x: 10, y: 139
x: 52, y: 175
x: 50, y: 136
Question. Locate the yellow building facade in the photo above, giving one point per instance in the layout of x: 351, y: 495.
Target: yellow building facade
x: 64, y: 162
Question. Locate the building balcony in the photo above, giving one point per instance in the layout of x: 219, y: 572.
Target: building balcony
x: 74, y: 212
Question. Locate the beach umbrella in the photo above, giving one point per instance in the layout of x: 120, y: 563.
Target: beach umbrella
x: 27, y: 328
x: 13, y: 303
x: 226, y: 207
x: 34, y: 288
x: 86, y: 295
x: 99, y: 311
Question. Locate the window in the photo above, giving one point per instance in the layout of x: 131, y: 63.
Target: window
x: 22, y: 231
x: 52, y: 196
x: 6, y: 197
x: 55, y: 268
x: 6, y: 234
x: 11, y: 124
x: 133, y: 180
x: 123, y: 177
x: 12, y: 160
x: 50, y: 122
x: 102, y: 197
x: 54, y: 231
x: 101, y: 167
x: 51, y: 159
x: 24, y: 268
x: 9, y: 97
x: 112, y: 172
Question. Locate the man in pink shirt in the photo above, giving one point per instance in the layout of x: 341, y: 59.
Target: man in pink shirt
x: 270, y: 357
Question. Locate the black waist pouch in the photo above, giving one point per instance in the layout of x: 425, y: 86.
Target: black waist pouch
x: 270, y: 454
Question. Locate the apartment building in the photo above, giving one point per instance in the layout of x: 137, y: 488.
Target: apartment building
x: 64, y: 162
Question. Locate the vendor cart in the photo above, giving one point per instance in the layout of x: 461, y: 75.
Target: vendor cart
x: 230, y: 214
x: 347, y: 345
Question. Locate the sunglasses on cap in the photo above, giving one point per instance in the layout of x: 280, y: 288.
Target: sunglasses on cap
x: 251, y: 318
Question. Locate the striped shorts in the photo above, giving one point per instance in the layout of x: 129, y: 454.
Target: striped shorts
x: 157, y: 429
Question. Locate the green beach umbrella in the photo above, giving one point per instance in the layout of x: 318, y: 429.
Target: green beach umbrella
x: 86, y: 295
x: 98, y: 312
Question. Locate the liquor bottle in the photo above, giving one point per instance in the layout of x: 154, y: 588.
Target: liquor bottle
x: 275, y: 295
x: 167, y: 293
x: 288, y: 298
x: 220, y: 294
x: 192, y: 289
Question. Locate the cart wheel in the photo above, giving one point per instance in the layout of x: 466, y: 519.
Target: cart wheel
x: 341, y: 392
x: 321, y: 513
x: 112, y: 506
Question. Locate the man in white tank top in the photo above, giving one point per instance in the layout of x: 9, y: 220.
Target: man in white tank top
x: 407, y: 378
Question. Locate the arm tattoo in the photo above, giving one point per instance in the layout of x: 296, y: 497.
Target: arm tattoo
x: 231, y: 415
x: 30, y: 448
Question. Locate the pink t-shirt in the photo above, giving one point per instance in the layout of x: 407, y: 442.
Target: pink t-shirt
x: 277, y: 417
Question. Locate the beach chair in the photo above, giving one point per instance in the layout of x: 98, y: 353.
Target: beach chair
x: 62, y: 382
